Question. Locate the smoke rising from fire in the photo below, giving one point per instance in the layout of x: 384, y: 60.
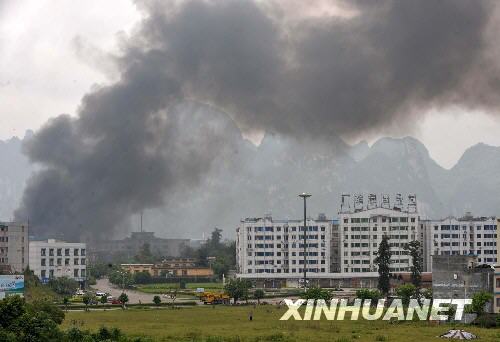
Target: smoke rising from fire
x: 137, y: 141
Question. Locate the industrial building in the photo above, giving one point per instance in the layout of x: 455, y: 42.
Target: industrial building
x: 13, y: 247
x: 109, y: 250
x: 53, y: 259
x: 175, y: 268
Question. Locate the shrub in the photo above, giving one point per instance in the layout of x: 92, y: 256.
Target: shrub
x: 317, y: 293
x: 374, y: 295
x: 487, y: 321
x: 157, y: 300
x: 479, y: 300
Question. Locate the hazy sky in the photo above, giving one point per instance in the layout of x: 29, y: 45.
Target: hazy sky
x: 53, y: 52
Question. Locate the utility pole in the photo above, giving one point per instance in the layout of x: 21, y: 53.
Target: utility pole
x: 304, y: 267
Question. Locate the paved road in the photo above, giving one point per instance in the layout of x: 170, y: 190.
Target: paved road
x: 134, y: 297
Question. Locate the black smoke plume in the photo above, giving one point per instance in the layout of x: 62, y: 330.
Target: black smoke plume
x: 135, y: 142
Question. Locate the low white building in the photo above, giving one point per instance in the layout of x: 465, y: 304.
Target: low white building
x: 267, y: 246
x: 468, y: 235
x: 54, y: 258
x: 13, y: 247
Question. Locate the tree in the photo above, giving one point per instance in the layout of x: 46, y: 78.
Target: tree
x: 406, y: 292
x: 121, y: 278
x: 123, y: 299
x: 383, y: 261
x: 104, y: 299
x: 64, y: 286
x: 11, y: 308
x: 317, y: 293
x: 238, y: 288
x: 479, y: 300
x: 258, y: 294
x: 142, y: 277
x: 157, y: 300
x: 88, y: 298
x: 414, y: 249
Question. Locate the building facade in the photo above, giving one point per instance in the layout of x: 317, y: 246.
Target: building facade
x: 13, y: 247
x: 176, y: 268
x: 267, y: 246
x: 361, y: 229
x: 54, y: 259
x: 460, y: 276
x: 467, y: 235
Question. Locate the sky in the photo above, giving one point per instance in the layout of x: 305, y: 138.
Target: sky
x: 54, y: 52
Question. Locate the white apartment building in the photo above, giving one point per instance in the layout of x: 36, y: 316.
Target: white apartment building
x: 13, y: 247
x: 362, y: 227
x: 264, y: 245
x: 467, y: 235
x: 54, y: 258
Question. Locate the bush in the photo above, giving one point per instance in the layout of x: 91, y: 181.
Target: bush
x: 487, y: 321
x: 374, y: 295
x: 23, y: 322
x: 479, y: 300
x: 53, y: 311
x: 157, y: 300
x: 317, y: 293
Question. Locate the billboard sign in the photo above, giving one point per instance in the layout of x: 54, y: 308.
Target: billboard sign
x: 11, y: 285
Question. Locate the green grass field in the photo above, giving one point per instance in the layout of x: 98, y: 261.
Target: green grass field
x: 219, y: 323
x: 166, y: 288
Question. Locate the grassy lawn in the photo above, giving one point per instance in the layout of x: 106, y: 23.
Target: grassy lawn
x: 165, y: 288
x: 207, y: 323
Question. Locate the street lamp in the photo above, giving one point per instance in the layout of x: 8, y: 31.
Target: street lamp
x: 305, y: 196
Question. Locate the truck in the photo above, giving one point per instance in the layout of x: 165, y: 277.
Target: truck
x: 214, y: 298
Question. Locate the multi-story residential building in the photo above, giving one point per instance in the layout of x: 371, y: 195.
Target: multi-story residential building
x: 264, y: 245
x: 13, y: 247
x: 54, y: 258
x: 467, y: 235
x: 362, y: 228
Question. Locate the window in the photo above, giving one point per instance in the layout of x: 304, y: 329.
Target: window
x: 59, y: 252
x: 42, y: 262
x: 75, y: 272
x: 43, y: 274
x: 59, y: 261
x: 43, y: 252
x: 51, y: 252
x: 66, y: 252
x: 75, y: 252
x: 51, y: 262
x: 66, y: 261
x: 82, y: 261
x: 75, y: 262
x: 51, y: 274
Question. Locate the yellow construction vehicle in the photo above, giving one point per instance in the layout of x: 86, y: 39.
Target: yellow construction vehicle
x: 214, y: 298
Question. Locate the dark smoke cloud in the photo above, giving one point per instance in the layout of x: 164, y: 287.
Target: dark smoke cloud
x: 134, y: 142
